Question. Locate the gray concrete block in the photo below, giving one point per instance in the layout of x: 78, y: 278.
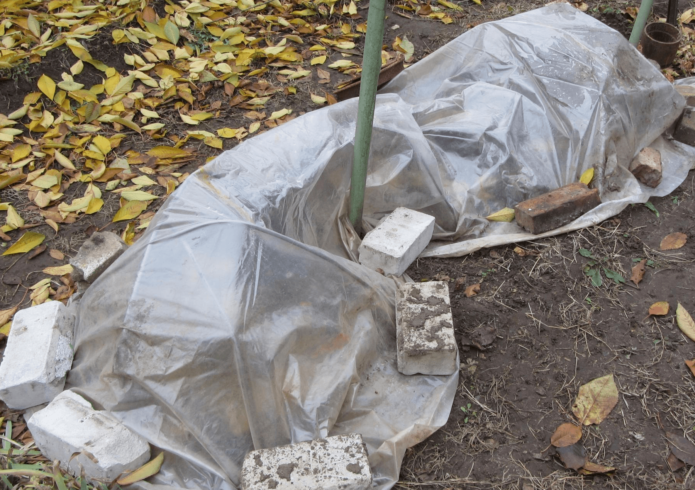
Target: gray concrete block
x: 78, y: 436
x: 96, y: 255
x: 334, y: 463
x: 38, y: 355
x: 688, y: 93
x: 646, y: 166
x: 397, y: 241
x: 425, y: 329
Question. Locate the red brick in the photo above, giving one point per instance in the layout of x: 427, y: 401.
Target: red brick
x: 556, y: 208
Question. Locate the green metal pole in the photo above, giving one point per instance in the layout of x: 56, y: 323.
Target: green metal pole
x: 644, y: 10
x: 371, y: 65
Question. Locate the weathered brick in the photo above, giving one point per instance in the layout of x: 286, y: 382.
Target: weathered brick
x: 647, y: 167
x: 425, y: 329
x: 556, y: 208
x: 688, y: 93
x: 334, y: 463
x: 685, y: 129
x: 96, y: 255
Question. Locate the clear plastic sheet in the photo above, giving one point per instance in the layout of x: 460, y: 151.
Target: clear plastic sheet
x: 240, y: 319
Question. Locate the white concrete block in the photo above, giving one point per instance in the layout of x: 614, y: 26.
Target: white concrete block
x: 646, y: 166
x: 78, y: 436
x: 397, y: 241
x: 38, y: 355
x: 425, y: 329
x: 334, y: 463
x: 96, y: 255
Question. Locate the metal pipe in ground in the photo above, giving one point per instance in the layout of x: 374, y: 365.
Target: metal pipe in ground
x: 644, y: 10
x: 371, y: 65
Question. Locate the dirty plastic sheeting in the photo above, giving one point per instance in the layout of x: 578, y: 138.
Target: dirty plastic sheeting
x: 239, y: 322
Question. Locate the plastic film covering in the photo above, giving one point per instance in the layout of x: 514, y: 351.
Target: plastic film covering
x: 240, y: 320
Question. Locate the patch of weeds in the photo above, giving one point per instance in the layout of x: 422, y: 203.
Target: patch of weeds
x: 18, y: 73
x: 203, y: 39
x: 652, y: 208
x: 674, y: 200
x: 469, y: 413
x: 592, y: 270
x: 489, y: 271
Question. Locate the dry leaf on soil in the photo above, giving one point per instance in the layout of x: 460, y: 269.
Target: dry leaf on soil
x: 587, y: 176
x: 659, y: 309
x: 691, y: 365
x: 595, y: 400
x: 673, y: 241
x: 6, y: 315
x: 566, y: 435
x: 674, y: 463
x: 28, y: 241
x: 594, y: 468
x: 573, y: 457
x: 472, y: 290
x: 681, y: 447
x: 638, y: 271
x: 684, y: 320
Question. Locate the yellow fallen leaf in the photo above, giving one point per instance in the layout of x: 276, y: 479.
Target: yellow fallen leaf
x: 149, y: 113
x: 130, y: 210
x: 47, y: 86
x: 226, y: 133
x: 58, y: 271
x: 20, y: 152
x: 6, y: 315
x: 168, y: 152
x: 94, y: 206
x: 103, y: 144
x: 341, y: 64
x: 317, y: 99
x: 319, y: 60
x: 27, y: 242
x: 254, y: 127
x: 279, y: 114
x: 147, y: 470
x: 14, y: 220
x: 213, y: 142
x: 595, y: 400
x: 659, y: 309
x: 45, y: 181
x: 587, y: 176
x: 685, y: 322
x: 153, y: 127
x: 63, y: 160
x: 137, y: 196
x: 673, y: 241
x: 506, y: 214
x: 189, y: 120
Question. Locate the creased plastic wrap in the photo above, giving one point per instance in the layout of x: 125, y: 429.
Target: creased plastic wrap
x: 240, y: 320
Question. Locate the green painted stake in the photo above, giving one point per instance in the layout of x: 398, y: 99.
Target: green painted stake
x: 371, y: 66
x: 644, y: 10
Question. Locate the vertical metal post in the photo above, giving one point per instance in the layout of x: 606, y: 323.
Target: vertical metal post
x: 644, y: 10
x: 371, y: 65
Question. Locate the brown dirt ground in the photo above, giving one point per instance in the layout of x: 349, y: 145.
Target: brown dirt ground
x: 541, y: 328
x: 538, y: 330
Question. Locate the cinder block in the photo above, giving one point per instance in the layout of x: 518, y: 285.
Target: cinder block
x: 646, y: 166
x: 425, y: 329
x: 685, y: 130
x: 397, y: 241
x: 96, y: 255
x: 688, y: 93
x: 78, y: 436
x: 556, y: 208
x: 38, y: 355
x: 334, y: 463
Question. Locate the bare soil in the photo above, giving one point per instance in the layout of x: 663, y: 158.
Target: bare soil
x: 538, y: 329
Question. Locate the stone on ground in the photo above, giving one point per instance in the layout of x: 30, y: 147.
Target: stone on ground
x: 425, y: 329
x: 38, y: 355
x: 96, y: 255
x: 71, y: 431
x: 646, y: 167
x: 397, y: 241
x: 556, y: 208
x: 334, y: 463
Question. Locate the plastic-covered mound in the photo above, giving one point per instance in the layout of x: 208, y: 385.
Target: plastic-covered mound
x: 239, y: 320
